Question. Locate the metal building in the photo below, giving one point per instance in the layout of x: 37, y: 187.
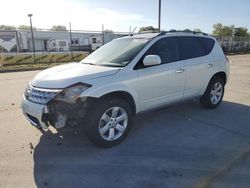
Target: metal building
x: 21, y: 41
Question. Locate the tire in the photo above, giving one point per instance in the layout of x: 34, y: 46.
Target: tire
x: 103, y: 127
x: 213, y: 94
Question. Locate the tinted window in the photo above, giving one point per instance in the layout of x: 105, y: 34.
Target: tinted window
x: 165, y: 48
x: 208, y: 44
x: 191, y: 47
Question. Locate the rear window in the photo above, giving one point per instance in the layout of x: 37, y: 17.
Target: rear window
x: 208, y: 44
x: 191, y: 47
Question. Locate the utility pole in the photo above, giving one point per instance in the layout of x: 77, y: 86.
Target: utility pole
x: 159, y: 17
x: 70, y: 38
x: 102, y: 34
x: 32, y: 37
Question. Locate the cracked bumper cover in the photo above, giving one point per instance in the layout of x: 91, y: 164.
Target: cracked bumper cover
x: 34, y: 112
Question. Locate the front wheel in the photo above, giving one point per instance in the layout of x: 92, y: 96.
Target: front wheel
x: 213, y: 94
x: 109, y: 122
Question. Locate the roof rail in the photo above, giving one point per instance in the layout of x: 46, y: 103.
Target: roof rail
x: 175, y: 31
x: 198, y: 32
x: 148, y: 31
x: 171, y: 31
x: 162, y: 33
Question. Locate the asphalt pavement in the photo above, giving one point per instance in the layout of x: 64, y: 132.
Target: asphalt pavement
x: 179, y: 146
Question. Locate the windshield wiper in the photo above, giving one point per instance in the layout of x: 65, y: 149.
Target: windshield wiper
x: 88, y: 63
x: 111, y: 64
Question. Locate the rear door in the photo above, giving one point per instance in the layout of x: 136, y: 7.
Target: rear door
x: 194, y: 52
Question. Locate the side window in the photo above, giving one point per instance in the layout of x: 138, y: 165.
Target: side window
x: 208, y: 44
x: 62, y: 43
x: 93, y: 40
x: 191, y: 47
x: 165, y: 48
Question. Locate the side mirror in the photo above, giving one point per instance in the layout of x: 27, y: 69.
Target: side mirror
x: 151, y: 60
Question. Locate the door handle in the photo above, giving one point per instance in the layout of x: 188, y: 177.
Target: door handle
x: 210, y: 65
x: 179, y: 71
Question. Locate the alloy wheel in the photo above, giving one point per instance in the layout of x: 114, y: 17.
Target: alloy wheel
x: 216, y: 93
x: 113, y: 123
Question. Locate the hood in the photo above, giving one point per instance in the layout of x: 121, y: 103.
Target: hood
x: 65, y: 75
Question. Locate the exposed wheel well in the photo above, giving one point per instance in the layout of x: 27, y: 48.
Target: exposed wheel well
x: 123, y: 95
x: 221, y: 75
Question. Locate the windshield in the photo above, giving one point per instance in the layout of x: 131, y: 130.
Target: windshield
x: 117, y: 53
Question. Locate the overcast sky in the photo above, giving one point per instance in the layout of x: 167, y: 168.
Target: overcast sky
x: 118, y: 15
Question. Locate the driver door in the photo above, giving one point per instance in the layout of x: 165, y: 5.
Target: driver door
x: 164, y: 83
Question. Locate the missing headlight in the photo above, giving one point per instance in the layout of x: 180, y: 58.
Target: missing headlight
x: 72, y: 93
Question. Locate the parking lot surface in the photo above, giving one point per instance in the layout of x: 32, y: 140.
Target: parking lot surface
x: 179, y: 146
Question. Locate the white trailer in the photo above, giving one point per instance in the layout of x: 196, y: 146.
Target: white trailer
x: 12, y: 41
x: 96, y: 42
x: 21, y: 41
x: 89, y: 43
x: 58, y: 45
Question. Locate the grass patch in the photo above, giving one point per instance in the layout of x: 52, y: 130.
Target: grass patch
x: 30, y: 66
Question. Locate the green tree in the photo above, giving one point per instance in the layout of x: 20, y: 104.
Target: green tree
x: 223, y: 30
x: 241, y: 32
x: 148, y: 28
x: 172, y: 30
x: 7, y: 27
x: 108, y: 31
x: 26, y: 27
x: 59, y: 28
x: 197, y: 30
x: 187, y: 30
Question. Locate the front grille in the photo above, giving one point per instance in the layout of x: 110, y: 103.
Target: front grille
x: 40, y: 95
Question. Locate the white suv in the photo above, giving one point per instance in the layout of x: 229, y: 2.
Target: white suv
x: 124, y: 77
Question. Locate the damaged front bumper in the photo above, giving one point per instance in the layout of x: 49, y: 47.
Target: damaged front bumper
x: 55, y: 113
x: 34, y: 113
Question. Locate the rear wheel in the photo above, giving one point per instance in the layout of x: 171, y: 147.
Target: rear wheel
x: 213, y: 94
x: 109, y: 122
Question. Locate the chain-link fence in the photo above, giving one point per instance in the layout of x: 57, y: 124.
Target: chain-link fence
x: 16, y: 46
x: 54, y: 41
x: 234, y: 44
x: 46, y: 41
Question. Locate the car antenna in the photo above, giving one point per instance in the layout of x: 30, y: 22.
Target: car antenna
x: 131, y: 34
